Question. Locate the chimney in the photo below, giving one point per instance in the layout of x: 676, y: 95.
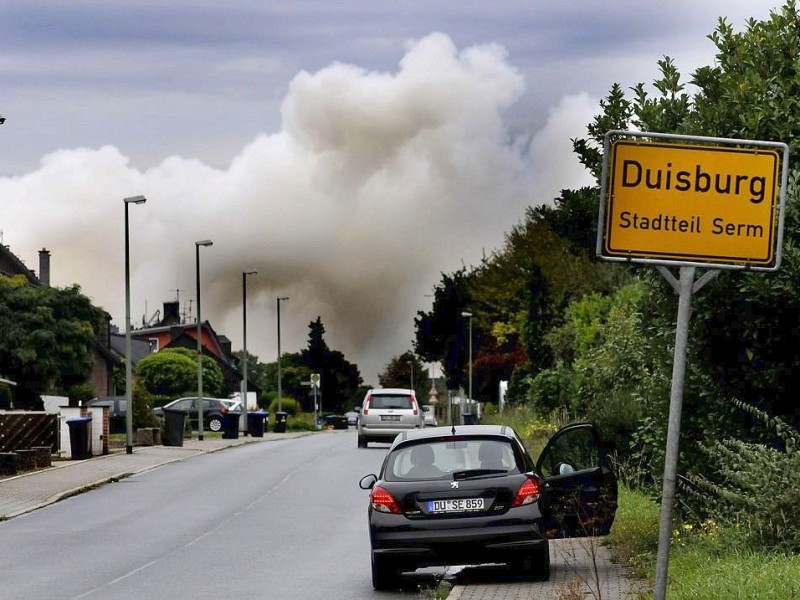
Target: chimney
x: 171, y: 314
x: 44, y: 267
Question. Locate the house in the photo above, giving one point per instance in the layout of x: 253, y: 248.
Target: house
x: 173, y: 331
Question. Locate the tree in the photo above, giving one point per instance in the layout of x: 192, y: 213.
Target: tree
x: 441, y: 333
x: 172, y: 373
x: 517, y: 295
x: 257, y: 372
x: 340, y: 379
x: 47, y: 338
x: 398, y: 374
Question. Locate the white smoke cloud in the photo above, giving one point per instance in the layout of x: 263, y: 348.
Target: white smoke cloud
x: 375, y: 185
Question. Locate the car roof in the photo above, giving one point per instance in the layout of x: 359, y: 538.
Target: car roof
x: 390, y: 391
x: 103, y: 400
x: 460, y: 431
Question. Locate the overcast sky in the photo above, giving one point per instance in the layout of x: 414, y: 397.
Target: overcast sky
x: 349, y: 151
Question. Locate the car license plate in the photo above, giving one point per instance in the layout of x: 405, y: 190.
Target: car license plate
x: 454, y: 506
x: 390, y: 417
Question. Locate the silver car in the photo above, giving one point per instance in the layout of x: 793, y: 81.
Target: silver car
x: 386, y: 412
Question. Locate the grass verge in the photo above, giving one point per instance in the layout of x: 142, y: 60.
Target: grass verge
x: 707, y: 561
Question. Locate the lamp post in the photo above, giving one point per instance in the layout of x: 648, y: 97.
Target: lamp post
x: 280, y: 397
x: 199, y: 341
x: 243, y: 420
x: 411, y: 367
x: 128, y: 364
x: 469, y: 382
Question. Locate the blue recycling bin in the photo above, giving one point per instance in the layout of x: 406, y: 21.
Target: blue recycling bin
x: 80, y: 437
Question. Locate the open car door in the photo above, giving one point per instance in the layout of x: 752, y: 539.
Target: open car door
x: 580, y: 488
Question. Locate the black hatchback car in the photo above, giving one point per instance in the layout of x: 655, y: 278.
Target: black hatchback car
x: 470, y: 495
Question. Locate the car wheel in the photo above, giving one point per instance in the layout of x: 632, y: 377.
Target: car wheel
x: 215, y: 424
x: 362, y: 442
x: 385, y: 575
x: 534, y: 564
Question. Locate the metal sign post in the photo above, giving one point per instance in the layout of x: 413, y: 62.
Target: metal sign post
x: 315, y: 380
x: 686, y: 286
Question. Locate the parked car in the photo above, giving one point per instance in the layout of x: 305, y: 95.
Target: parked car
x: 116, y: 411
x: 429, y: 415
x: 352, y: 417
x: 214, y: 411
x: 386, y: 412
x: 471, y: 494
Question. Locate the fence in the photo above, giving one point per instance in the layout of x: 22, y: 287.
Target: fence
x: 24, y: 430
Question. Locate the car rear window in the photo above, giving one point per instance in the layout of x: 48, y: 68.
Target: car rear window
x: 399, y: 401
x: 440, y: 459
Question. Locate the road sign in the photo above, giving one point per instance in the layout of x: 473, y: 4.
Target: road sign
x: 315, y: 379
x: 711, y: 203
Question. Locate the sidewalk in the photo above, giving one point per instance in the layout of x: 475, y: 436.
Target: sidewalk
x: 572, y: 576
x: 32, y: 490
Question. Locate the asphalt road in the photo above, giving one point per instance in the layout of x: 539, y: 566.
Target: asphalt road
x: 284, y: 519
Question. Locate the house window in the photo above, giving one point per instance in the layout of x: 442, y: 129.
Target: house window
x: 153, y: 345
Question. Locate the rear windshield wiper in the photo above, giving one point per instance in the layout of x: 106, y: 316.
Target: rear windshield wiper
x: 468, y: 473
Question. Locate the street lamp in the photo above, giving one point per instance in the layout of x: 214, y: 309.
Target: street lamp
x: 280, y: 397
x: 243, y: 420
x: 128, y: 364
x: 199, y: 341
x: 469, y: 316
x: 411, y: 367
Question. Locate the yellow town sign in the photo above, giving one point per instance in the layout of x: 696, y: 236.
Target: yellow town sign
x: 669, y: 202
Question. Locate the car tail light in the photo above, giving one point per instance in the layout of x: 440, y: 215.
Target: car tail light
x: 223, y: 409
x: 365, y: 410
x: 527, y: 493
x: 414, y: 405
x: 383, y: 501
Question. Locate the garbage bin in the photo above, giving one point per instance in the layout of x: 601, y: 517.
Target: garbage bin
x: 80, y: 438
x: 174, y: 424
x: 469, y: 418
x: 280, y: 422
x: 232, y: 419
x: 256, y: 423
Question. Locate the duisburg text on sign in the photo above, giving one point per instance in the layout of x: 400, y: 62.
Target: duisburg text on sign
x: 694, y: 203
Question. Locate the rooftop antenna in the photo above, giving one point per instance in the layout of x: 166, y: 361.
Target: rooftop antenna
x: 189, y: 312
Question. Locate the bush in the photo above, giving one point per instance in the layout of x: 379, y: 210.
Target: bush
x: 754, y: 485
x: 552, y: 389
x: 288, y: 405
x: 142, y: 407
x: 301, y: 422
